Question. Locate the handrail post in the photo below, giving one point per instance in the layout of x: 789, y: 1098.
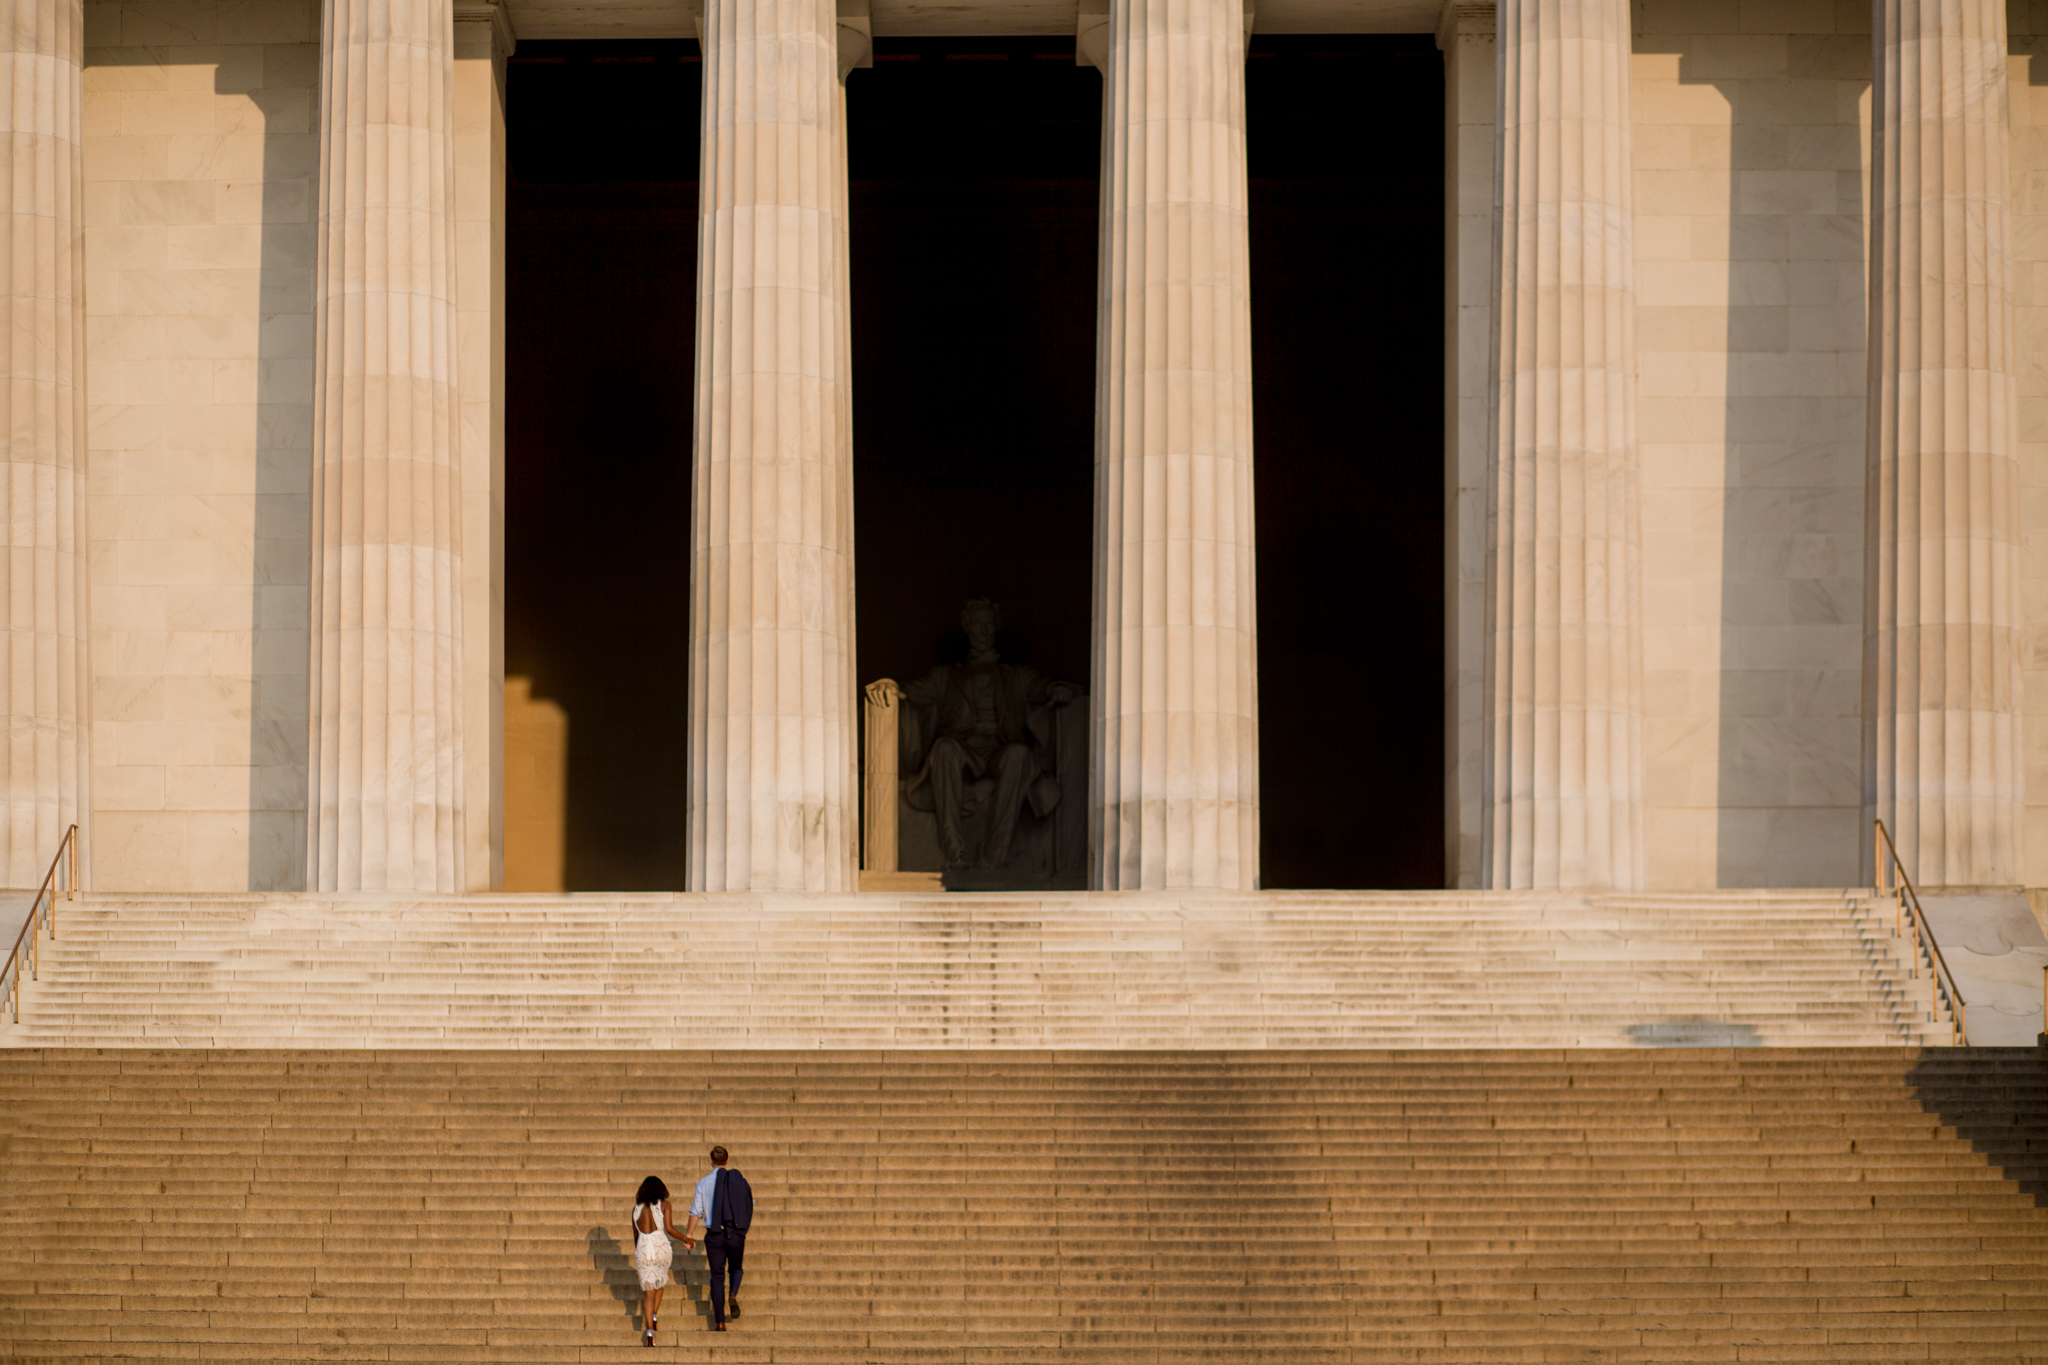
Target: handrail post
x: 1904, y: 919
x: 66, y: 858
x: 1924, y: 941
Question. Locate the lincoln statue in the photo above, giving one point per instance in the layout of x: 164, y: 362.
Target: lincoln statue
x: 981, y: 728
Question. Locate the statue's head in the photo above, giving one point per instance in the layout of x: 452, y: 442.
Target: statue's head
x: 981, y: 618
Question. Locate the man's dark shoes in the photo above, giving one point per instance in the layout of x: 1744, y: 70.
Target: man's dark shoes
x: 732, y: 1310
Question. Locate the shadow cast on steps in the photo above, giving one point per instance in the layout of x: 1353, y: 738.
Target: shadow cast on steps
x: 1996, y: 1098
x: 1692, y: 1032
x: 615, y: 1267
x: 689, y: 1275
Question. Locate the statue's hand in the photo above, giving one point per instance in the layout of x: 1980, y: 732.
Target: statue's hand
x: 1062, y: 693
x: 883, y: 692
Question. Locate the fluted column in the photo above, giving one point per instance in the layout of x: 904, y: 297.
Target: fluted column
x: 1175, y: 743
x: 46, y: 677
x: 484, y: 43
x: 1465, y: 33
x: 773, y: 803
x: 1563, y: 763
x: 1941, y: 666
x: 386, y: 780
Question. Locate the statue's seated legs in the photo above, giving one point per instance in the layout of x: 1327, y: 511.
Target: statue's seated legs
x: 1014, y: 768
x: 951, y: 764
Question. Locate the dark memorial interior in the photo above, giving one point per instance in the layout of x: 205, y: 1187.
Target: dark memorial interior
x: 974, y: 188
x: 1345, y: 152
x: 600, y: 303
x: 974, y: 191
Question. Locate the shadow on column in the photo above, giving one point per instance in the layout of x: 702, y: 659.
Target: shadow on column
x: 1769, y: 740
x: 280, y: 613
x: 281, y: 79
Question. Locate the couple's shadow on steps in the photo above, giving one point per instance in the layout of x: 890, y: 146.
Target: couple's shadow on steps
x: 614, y: 1265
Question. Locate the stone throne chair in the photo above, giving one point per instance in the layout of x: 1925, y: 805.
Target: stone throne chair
x: 900, y: 829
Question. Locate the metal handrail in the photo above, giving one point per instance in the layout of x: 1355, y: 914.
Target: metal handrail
x: 46, y: 896
x: 1923, y: 932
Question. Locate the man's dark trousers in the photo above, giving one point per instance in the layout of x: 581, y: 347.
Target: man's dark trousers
x: 725, y: 1236
x: 724, y: 1249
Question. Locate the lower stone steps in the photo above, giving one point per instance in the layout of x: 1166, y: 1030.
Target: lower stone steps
x: 1445, y: 1207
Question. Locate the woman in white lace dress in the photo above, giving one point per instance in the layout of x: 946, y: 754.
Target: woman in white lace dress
x: 651, y: 1251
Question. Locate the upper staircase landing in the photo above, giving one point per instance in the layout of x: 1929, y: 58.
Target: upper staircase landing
x: 1131, y: 970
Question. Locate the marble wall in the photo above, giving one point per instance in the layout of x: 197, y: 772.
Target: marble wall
x: 199, y: 161
x: 1751, y: 144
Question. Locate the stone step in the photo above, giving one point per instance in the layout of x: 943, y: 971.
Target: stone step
x: 1129, y: 970
x: 1010, y: 1207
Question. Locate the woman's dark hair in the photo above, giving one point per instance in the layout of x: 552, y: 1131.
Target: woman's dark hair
x: 652, y: 1191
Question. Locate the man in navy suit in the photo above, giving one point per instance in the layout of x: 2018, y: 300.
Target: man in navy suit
x: 724, y: 1205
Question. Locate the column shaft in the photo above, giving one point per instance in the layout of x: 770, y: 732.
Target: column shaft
x: 483, y: 43
x: 1465, y: 33
x: 386, y: 784
x: 1942, y: 694
x: 1563, y: 764
x: 1175, y: 743
x: 773, y: 801
x: 47, y: 755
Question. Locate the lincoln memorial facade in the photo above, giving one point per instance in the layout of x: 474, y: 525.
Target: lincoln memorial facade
x: 1543, y: 443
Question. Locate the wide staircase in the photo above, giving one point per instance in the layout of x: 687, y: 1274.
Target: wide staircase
x: 1142, y: 970
x: 1682, y: 1205
x: 1414, y: 1127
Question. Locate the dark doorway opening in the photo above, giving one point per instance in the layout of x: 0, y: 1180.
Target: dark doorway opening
x: 974, y: 198
x: 974, y: 167
x: 601, y: 248
x: 1346, y: 161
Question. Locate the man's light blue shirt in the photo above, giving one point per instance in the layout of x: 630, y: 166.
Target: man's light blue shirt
x: 700, y: 1203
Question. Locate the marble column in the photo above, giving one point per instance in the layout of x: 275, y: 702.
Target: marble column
x: 1175, y: 741
x: 483, y: 43
x: 773, y: 800
x: 47, y: 754
x: 1465, y: 34
x: 1562, y: 764
x: 1941, y: 666
x: 386, y: 781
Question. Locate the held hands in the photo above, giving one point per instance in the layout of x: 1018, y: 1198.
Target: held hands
x: 1062, y: 693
